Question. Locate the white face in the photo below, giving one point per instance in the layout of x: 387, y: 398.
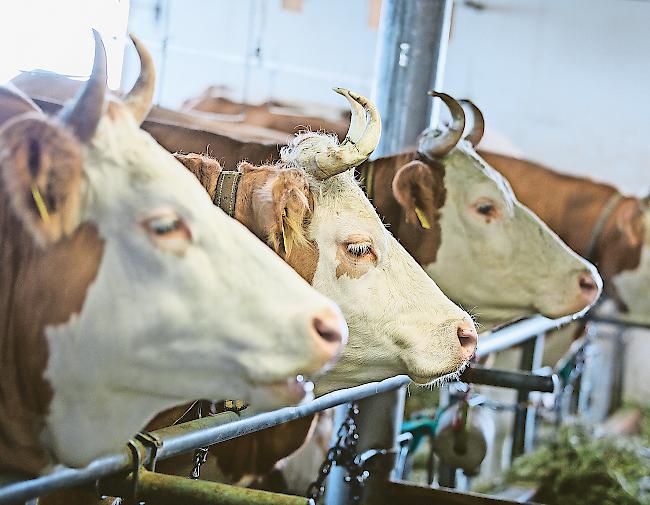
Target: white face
x: 400, y: 322
x: 497, y: 259
x: 632, y: 285
x: 186, y: 304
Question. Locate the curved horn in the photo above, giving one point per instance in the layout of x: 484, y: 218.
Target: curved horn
x: 320, y: 155
x: 83, y: 113
x: 140, y: 99
x: 478, y: 121
x: 435, y: 143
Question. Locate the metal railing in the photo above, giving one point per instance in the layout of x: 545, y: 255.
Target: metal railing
x: 218, y: 428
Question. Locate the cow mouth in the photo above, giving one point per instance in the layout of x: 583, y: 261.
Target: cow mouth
x: 293, y: 390
x: 440, y: 379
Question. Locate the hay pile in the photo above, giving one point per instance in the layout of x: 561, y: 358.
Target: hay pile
x: 579, y: 469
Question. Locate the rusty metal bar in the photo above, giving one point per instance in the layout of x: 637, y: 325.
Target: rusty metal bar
x: 172, y: 490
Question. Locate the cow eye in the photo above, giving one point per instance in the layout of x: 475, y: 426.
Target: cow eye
x: 360, y: 249
x: 486, y: 209
x: 169, y: 232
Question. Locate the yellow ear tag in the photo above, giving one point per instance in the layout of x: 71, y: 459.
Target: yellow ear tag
x: 284, y: 235
x: 422, y: 218
x: 40, y: 203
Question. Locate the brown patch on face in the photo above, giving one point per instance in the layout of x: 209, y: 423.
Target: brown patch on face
x: 352, y: 268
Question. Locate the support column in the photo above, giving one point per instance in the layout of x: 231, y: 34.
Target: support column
x: 412, y: 45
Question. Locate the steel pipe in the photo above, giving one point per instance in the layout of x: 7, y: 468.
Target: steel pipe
x: 517, y: 333
x: 521, y: 381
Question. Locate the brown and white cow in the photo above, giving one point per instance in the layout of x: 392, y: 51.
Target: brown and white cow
x: 596, y: 221
x: 459, y: 218
x: 123, y: 291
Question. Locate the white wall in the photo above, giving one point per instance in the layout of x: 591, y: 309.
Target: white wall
x: 566, y: 82
x: 302, y: 55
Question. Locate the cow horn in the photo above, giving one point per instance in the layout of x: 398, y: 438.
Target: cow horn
x: 435, y: 143
x: 140, y: 99
x: 323, y: 158
x: 83, y: 114
x: 478, y: 121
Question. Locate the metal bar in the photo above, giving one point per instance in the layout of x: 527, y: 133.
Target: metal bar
x: 517, y: 333
x: 618, y: 322
x: 214, y: 429
x: 188, y: 436
x: 521, y: 409
x: 521, y: 381
x: 172, y: 490
x: 411, y: 57
x: 413, y: 494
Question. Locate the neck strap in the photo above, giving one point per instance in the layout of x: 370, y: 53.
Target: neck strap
x: 604, y: 216
x: 226, y: 193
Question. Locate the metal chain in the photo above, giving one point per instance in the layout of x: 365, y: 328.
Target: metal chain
x: 200, y: 453
x: 344, y: 454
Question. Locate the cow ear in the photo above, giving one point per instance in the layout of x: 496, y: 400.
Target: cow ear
x: 413, y: 189
x: 41, y: 167
x: 629, y: 221
x: 292, y: 204
x: 14, y: 102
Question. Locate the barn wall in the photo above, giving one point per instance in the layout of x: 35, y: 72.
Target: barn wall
x: 564, y: 82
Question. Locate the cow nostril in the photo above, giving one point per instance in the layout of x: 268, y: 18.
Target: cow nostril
x: 588, y: 285
x: 468, y: 339
x: 327, y: 329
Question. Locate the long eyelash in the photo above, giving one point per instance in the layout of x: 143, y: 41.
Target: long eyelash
x: 358, y: 249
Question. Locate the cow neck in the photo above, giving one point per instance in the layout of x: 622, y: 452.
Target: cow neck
x: 576, y: 211
x: 38, y: 288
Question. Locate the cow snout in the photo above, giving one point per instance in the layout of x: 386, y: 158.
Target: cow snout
x: 589, y: 288
x: 468, y: 339
x: 329, y: 333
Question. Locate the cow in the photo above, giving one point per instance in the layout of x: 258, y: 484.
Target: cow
x: 123, y: 291
x: 269, y: 115
x: 460, y: 219
x: 176, y: 131
x: 311, y: 211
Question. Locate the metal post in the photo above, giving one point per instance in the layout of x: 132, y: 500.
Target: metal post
x: 521, y: 408
x: 411, y: 57
x: 412, y: 39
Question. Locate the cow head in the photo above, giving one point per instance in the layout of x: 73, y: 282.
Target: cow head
x: 486, y: 250
x: 312, y: 212
x: 624, y: 258
x: 124, y: 291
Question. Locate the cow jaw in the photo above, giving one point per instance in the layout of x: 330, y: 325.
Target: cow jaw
x: 400, y: 322
x: 504, y: 267
x: 158, y: 328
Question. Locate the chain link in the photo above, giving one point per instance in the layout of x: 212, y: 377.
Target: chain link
x: 344, y: 454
